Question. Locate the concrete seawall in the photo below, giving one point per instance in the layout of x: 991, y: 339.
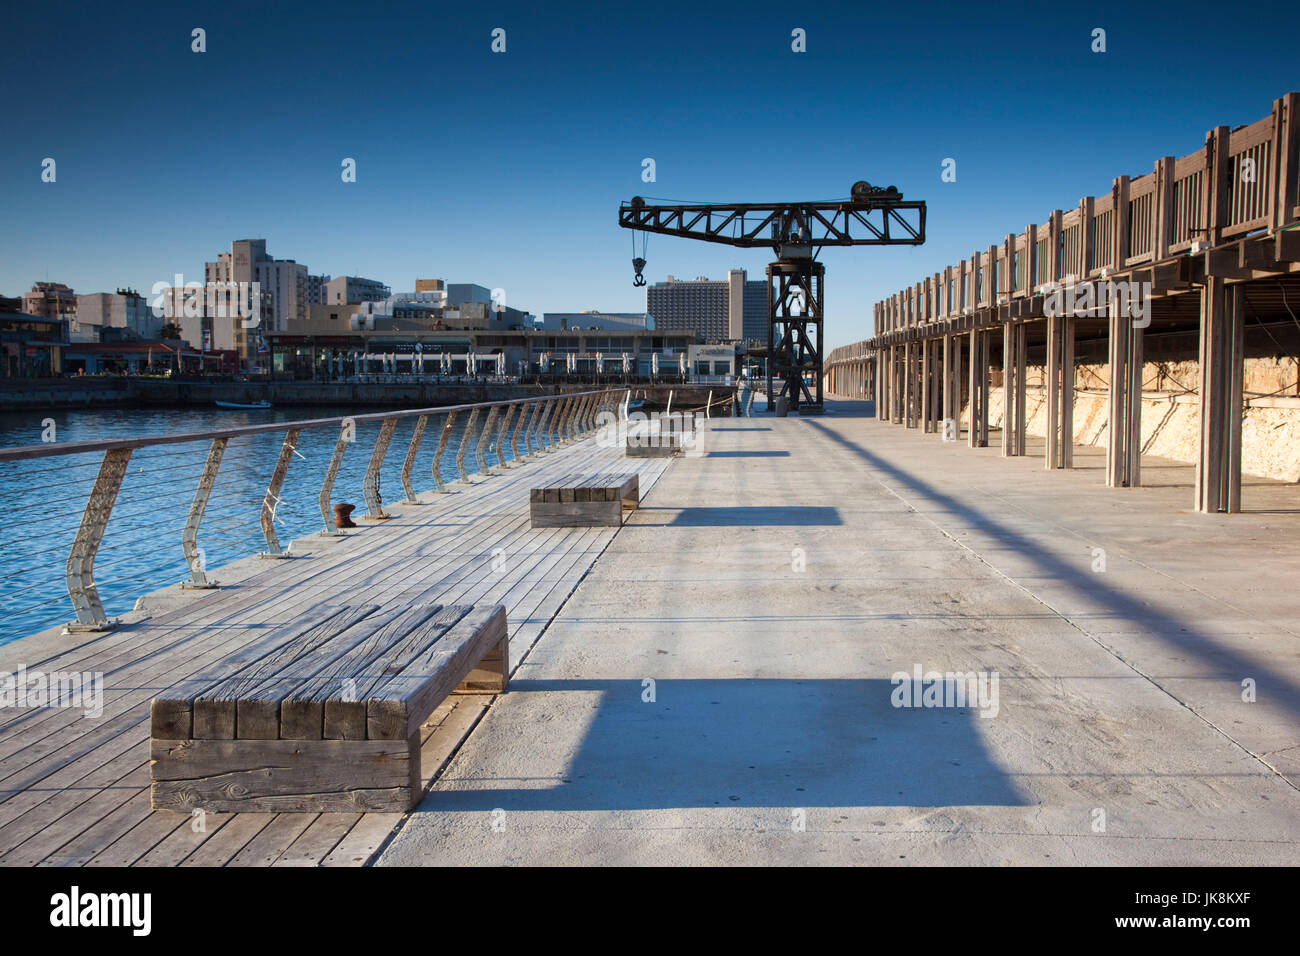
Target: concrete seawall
x: 36, y: 394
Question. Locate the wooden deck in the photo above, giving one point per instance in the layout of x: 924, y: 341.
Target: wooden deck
x: 74, y: 791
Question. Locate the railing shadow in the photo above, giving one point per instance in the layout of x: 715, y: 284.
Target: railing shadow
x: 1179, y: 634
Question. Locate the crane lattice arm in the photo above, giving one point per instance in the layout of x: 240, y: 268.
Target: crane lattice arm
x: 874, y: 216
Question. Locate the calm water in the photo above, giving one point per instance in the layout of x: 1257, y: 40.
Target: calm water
x: 42, y: 500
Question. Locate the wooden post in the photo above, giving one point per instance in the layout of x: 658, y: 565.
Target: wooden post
x: 1052, y: 367
x: 1118, y: 419
x: 926, y: 409
x: 935, y: 413
x: 909, y: 385
x: 1021, y: 336
x: 978, y: 436
x: 1234, y: 399
x: 1209, y: 465
x: 957, y: 380
x: 1133, y: 401
x: 1008, y: 391
x: 1067, y: 393
x: 1287, y: 139
x: 900, y: 373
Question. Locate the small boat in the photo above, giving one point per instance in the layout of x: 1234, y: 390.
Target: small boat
x: 245, y: 405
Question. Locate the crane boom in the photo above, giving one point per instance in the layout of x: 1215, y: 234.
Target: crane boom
x: 882, y: 219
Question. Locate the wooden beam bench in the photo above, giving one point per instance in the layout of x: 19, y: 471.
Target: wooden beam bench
x: 324, y: 714
x: 584, y: 501
x: 663, y: 445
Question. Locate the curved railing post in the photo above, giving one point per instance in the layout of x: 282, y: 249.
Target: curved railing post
x: 465, y: 437
x: 542, y: 435
x: 442, y: 447
x: 571, y: 421
x: 501, y: 433
x: 80, y: 571
x: 561, y: 418
x: 272, y: 498
x: 584, y: 406
x: 579, y: 415
x: 347, y: 435
x: 529, y: 425
x: 480, y: 450
x: 370, y: 487
x: 190, y: 536
x: 411, y: 452
x: 519, y: 426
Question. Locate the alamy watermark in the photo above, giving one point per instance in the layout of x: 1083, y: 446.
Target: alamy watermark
x: 681, y: 430
x: 1130, y: 300
x: 974, y: 689
x: 74, y: 689
x: 217, y: 300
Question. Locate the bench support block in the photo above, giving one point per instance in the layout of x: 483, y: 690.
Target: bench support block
x: 276, y: 776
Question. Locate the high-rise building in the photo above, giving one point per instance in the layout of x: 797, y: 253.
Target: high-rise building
x: 284, y: 280
x: 316, y: 289
x: 717, y: 311
x: 754, y: 312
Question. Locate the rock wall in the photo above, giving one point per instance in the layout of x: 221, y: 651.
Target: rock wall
x: 1270, y: 433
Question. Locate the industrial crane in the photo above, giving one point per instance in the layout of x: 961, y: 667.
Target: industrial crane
x: 796, y: 231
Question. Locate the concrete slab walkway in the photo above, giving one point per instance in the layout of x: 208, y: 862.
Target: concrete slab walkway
x: 718, y: 688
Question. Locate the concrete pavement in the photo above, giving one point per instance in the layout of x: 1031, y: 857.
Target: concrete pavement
x: 718, y: 688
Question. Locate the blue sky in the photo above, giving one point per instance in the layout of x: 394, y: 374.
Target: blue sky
x: 507, y: 169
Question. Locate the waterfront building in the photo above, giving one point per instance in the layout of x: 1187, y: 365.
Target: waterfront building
x: 50, y: 300
x: 618, y: 321
x: 313, y: 349
x: 123, y: 309
x: 31, y: 346
x: 353, y: 290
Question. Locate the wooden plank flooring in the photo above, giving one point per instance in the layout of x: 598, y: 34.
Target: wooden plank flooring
x: 74, y: 790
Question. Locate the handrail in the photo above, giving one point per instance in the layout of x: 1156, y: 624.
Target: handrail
x: 21, y: 452
x: 576, y: 419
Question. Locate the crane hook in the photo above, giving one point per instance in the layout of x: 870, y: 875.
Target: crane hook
x: 638, y: 265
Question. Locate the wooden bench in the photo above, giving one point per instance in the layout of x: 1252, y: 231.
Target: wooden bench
x: 664, y: 436
x: 584, y: 501
x: 665, y: 445
x: 324, y: 714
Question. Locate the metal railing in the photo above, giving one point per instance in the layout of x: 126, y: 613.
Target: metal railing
x: 513, y: 430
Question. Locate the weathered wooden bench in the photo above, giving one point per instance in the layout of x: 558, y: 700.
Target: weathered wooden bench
x: 654, y: 446
x: 324, y: 714
x: 584, y: 501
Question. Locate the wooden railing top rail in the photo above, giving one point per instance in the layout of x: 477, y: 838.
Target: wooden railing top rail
x: 1143, y: 219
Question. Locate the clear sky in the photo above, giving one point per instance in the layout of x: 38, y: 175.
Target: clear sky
x: 506, y: 169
